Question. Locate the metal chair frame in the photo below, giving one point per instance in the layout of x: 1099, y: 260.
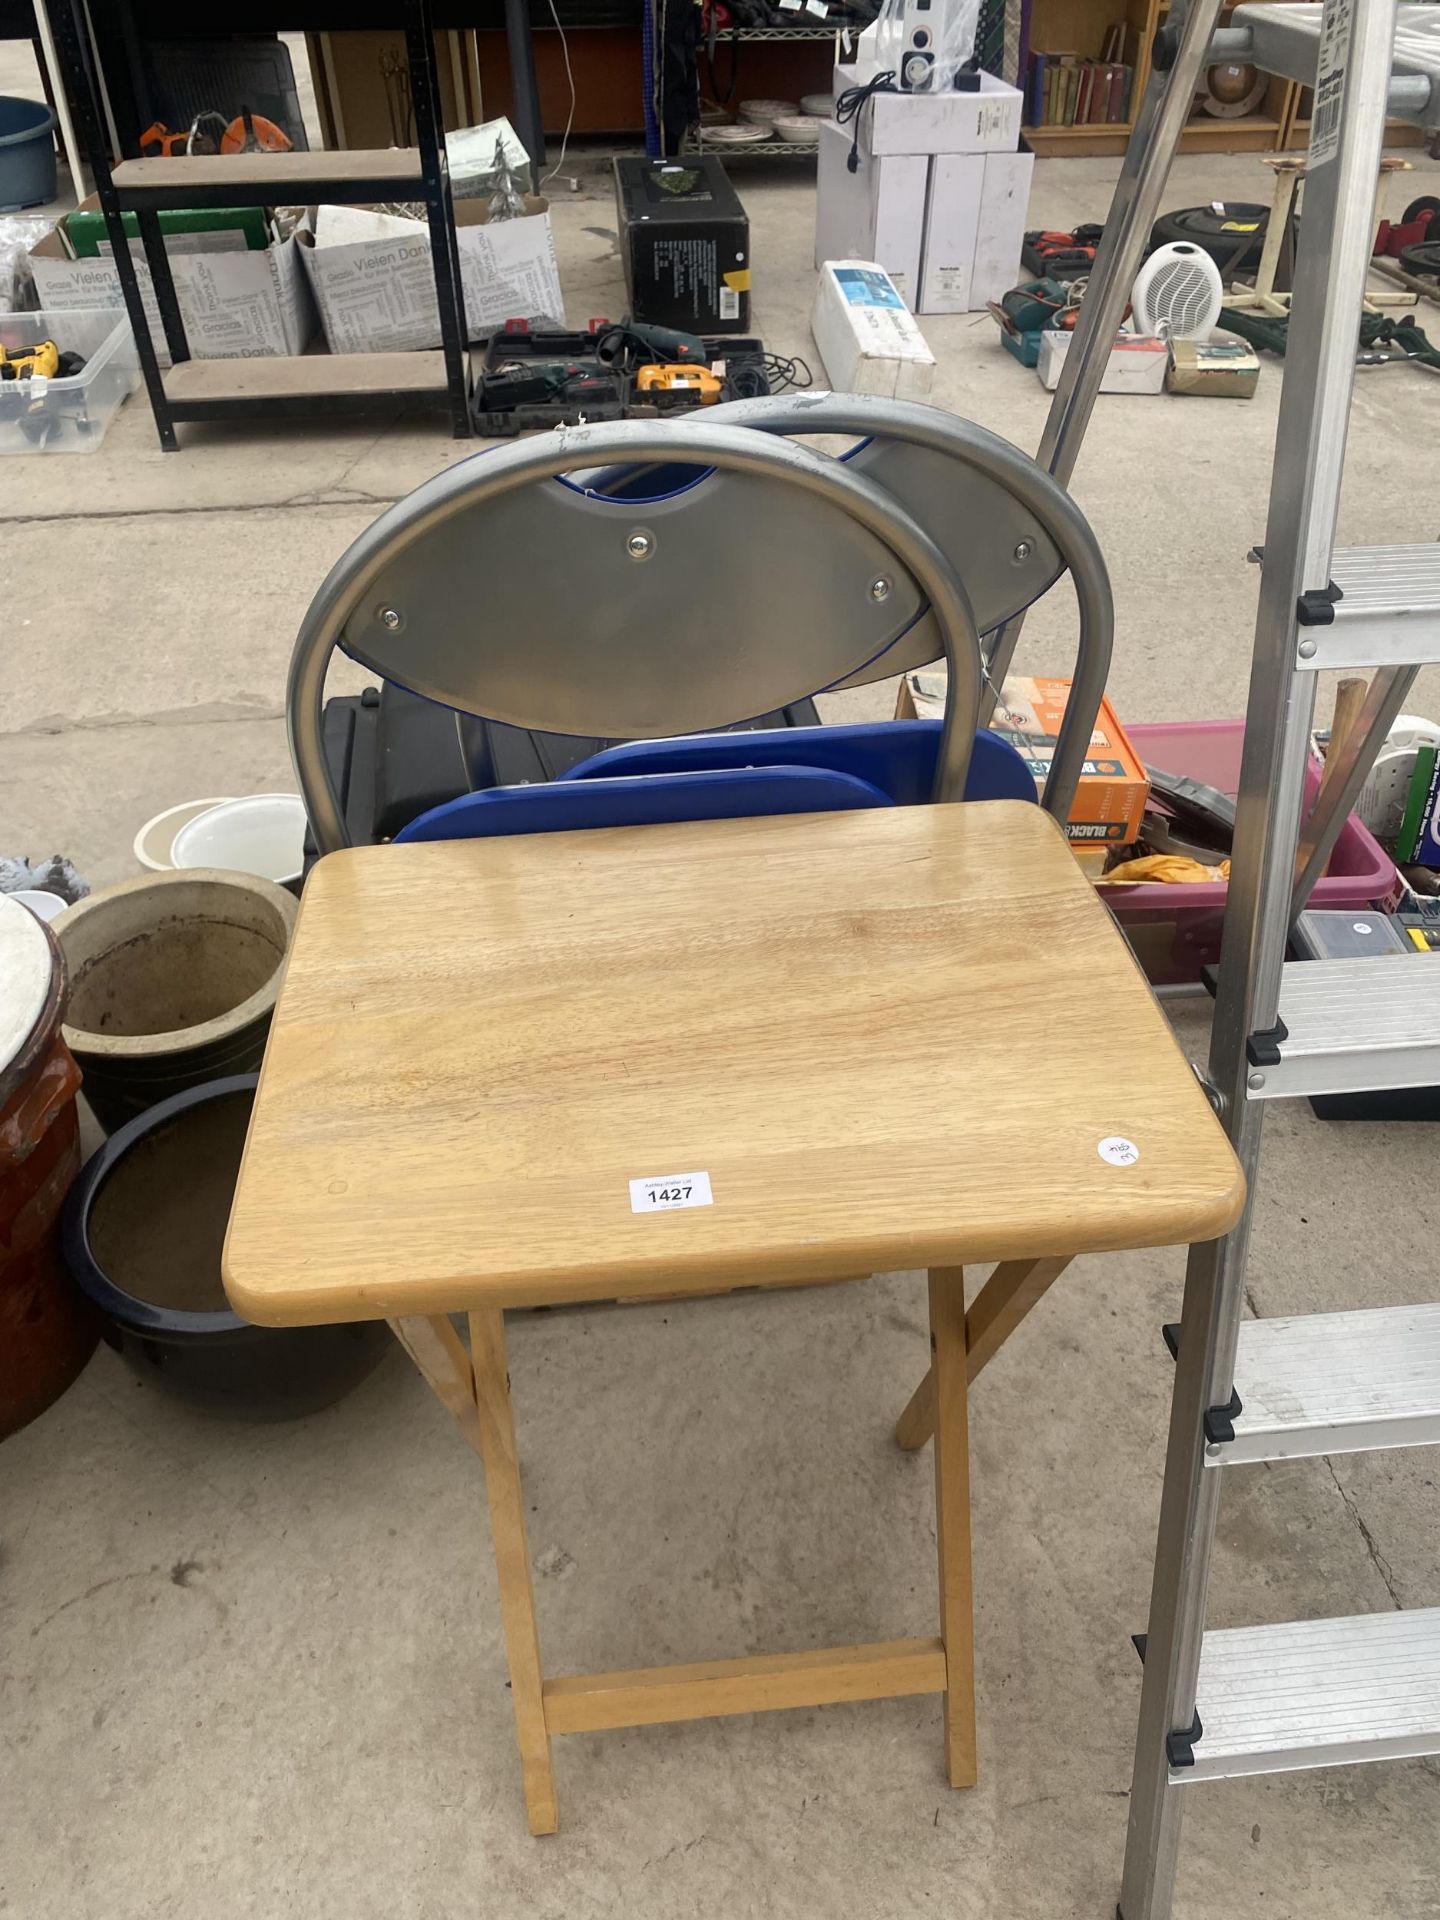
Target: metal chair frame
x: 393, y: 603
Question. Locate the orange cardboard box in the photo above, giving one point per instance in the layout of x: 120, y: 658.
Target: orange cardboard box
x: 1113, y: 788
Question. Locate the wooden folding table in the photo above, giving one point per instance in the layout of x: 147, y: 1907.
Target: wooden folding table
x: 671, y: 1059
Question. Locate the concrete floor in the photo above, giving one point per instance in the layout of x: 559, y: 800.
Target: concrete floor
x: 255, y: 1671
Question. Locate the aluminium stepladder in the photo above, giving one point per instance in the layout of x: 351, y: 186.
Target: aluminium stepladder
x: 1309, y: 1693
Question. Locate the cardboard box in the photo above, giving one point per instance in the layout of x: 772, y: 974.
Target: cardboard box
x: 1137, y: 364
x: 974, y: 229
x: 1418, y: 841
x: 876, y: 213
x: 986, y: 121
x: 1110, y: 799
x: 947, y: 228
x: 236, y: 304
x: 1221, y: 369
x: 375, y: 287
x: 685, y: 244
x: 867, y: 340
x: 351, y: 72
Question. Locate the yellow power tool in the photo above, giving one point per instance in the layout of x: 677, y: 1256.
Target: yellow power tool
x: 23, y: 363
x: 696, y: 384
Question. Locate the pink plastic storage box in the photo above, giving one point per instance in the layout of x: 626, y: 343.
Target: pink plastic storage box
x: 1175, y: 930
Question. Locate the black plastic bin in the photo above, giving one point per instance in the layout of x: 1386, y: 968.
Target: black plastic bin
x: 143, y: 1228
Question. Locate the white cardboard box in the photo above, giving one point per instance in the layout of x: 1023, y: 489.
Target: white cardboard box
x: 947, y: 228
x: 986, y: 121
x: 876, y: 213
x: 235, y: 305
x: 974, y: 229
x: 1137, y: 363
x: 868, y: 341
x: 375, y: 288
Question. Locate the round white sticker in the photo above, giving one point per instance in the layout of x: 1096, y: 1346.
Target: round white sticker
x: 1361, y: 926
x: 1118, y: 1151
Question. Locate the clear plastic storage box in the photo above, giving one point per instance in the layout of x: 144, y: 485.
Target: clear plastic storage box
x: 70, y: 415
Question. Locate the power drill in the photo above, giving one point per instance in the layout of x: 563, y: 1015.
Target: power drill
x: 43, y: 360
x: 637, y: 339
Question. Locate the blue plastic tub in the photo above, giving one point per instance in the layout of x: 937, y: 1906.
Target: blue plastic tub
x: 27, y: 153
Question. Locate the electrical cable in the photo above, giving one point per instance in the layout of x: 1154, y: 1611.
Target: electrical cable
x: 787, y: 370
x: 774, y: 374
x: 569, y: 75
x: 850, y: 104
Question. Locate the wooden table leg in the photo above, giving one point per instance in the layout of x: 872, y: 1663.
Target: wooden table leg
x: 512, y: 1565
x: 952, y: 1518
x: 917, y: 1422
x: 999, y: 1307
x: 439, y: 1354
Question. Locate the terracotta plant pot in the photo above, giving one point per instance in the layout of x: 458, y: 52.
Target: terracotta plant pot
x: 48, y: 1329
x: 173, y: 979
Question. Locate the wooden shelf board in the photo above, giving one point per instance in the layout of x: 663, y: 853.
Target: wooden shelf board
x: 1088, y: 130
x: 1214, y: 132
x: 273, y: 171
x: 1398, y: 133
x: 305, y: 376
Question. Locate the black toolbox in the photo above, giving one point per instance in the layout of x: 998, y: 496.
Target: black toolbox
x: 523, y: 388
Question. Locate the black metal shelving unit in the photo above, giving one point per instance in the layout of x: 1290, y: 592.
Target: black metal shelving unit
x: 287, y: 384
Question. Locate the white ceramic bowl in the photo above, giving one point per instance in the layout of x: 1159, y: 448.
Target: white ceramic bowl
x: 747, y: 134
x: 262, y: 833
x: 820, y: 105
x: 764, y: 113
x: 155, y: 841
x: 43, y: 905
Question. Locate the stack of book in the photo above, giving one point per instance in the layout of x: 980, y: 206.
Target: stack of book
x: 1062, y: 90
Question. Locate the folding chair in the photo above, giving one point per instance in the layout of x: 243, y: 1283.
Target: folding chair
x: 628, y: 999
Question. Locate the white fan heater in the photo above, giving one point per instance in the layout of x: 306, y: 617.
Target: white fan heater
x: 1177, y: 293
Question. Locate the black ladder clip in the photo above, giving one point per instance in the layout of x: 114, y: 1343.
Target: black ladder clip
x: 1316, y: 606
x: 1262, y: 1049
x: 1219, y: 1422
x: 1180, y: 1742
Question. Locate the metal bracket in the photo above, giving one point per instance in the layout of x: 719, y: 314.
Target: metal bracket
x: 1209, y: 1089
x: 1218, y: 1422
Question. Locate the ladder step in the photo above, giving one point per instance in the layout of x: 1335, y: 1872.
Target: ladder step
x: 1355, y: 1026
x: 1317, y: 1693
x: 1335, y: 1383
x: 1388, y: 613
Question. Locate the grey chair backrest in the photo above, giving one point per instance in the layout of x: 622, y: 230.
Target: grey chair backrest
x: 771, y: 572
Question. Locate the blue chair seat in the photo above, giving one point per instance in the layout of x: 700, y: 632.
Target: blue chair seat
x: 897, y: 756
x: 563, y: 806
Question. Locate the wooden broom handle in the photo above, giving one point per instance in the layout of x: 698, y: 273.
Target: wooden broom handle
x: 1349, y: 699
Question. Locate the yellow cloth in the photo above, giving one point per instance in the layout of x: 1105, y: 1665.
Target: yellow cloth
x: 1172, y: 868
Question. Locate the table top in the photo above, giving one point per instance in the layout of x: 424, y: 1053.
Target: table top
x: 664, y: 1059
